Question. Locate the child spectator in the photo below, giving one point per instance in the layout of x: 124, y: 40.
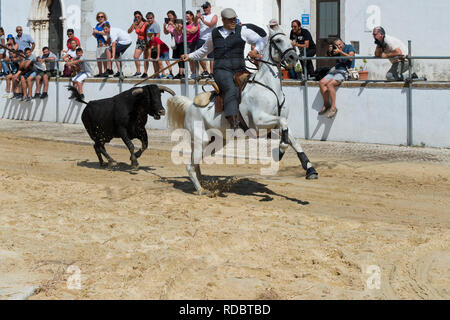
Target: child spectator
x: 71, y: 36
x: 177, y: 32
x: 140, y: 26
x: 162, y: 52
x: 84, y: 71
x: 102, y: 46
x: 69, y: 55
x: 49, y: 59
x: 153, y: 27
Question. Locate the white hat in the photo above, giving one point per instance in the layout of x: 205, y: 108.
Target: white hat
x: 228, y: 13
x: 273, y: 22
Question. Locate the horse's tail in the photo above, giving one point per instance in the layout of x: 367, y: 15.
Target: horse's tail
x: 76, y: 94
x: 176, y: 111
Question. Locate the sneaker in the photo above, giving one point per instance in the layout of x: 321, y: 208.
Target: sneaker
x: 10, y: 95
x: 205, y: 74
x: 117, y: 74
x: 110, y: 72
x: 137, y: 74
x: 37, y: 96
x: 178, y: 76
x: 82, y: 96
x: 44, y: 95
x: 170, y: 76
x: 100, y: 75
x: 19, y: 97
x: 144, y: 75
x: 6, y: 95
x: 105, y: 74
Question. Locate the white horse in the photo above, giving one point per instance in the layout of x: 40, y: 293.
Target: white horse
x: 260, y: 107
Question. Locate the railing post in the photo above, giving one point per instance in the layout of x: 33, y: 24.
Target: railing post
x: 305, y: 97
x: 57, y: 90
x: 186, y: 65
x: 409, y: 125
x: 197, y: 66
x: 121, y: 73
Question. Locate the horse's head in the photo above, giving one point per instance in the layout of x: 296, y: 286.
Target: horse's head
x: 281, y: 49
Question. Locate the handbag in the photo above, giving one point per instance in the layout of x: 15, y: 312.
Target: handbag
x: 173, y: 44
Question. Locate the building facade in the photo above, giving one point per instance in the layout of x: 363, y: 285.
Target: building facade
x: 422, y: 22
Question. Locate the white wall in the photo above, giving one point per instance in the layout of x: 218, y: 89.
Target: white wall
x: 366, y: 114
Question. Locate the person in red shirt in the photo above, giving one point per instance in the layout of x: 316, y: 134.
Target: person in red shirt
x: 71, y: 36
x: 161, y: 52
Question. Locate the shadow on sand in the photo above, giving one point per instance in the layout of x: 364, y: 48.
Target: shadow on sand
x: 121, y: 166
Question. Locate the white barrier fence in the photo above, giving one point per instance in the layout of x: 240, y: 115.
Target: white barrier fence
x: 369, y: 113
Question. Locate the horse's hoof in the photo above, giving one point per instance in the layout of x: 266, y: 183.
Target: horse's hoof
x: 311, y: 174
x: 204, y: 192
x: 283, y: 147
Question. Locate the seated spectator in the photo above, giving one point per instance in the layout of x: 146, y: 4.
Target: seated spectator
x: 69, y: 55
x: 177, y: 32
x: 29, y: 69
x: 12, y: 87
x: 302, y: 39
x: 395, y: 50
x: 139, y: 25
x: 193, y: 33
x: 336, y: 75
x: 120, y: 41
x: 48, y: 58
x: 84, y: 71
x: 71, y: 36
x: 162, y: 52
x: 102, y: 46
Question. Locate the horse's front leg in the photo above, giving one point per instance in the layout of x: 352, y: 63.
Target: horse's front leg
x: 311, y: 173
x: 268, y: 121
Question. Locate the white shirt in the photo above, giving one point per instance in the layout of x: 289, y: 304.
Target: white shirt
x: 248, y: 35
x: 204, y: 29
x: 120, y: 36
x: 392, y: 44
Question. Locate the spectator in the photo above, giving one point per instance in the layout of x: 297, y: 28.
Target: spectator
x: 84, y: 71
x: 155, y: 28
x: 162, y: 52
x: 394, y: 49
x: 67, y: 56
x: 48, y: 58
x: 336, y: 75
x: 120, y: 41
x: 29, y: 69
x: 192, y: 33
x: 140, y: 26
x: 71, y: 36
x: 177, y: 32
x: 208, y: 22
x: 24, y: 40
x: 273, y: 24
x: 3, y: 67
x: 302, y: 39
x: 13, y: 66
x: 170, y: 20
x: 102, y: 46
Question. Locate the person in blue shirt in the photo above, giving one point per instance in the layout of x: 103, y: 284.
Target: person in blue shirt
x: 24, y: 40
x: 102, y: 46
x: 335, y: 76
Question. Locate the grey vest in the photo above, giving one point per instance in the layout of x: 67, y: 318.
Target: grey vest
x: 229, y: 52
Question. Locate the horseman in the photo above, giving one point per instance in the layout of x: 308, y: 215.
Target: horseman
x: 228, y: 43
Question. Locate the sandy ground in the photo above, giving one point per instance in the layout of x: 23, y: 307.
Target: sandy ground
x: 146, y: 235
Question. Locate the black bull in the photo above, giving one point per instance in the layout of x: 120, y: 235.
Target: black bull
x: 122, y: 116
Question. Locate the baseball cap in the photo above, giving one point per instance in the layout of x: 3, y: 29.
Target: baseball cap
x: 228, y: 13
x: 206, y: 5
x: 9, y: 36
x: 273, y: 22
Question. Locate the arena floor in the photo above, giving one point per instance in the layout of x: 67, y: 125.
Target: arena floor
x: 146, y: 235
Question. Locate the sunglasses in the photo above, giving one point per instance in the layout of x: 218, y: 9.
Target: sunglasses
x: 19, y: 30
x: 98, y: 17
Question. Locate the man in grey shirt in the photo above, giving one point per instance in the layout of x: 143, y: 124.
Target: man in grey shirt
x: 24, y: 40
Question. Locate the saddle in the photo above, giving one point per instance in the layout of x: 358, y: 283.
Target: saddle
x: 203, y: 99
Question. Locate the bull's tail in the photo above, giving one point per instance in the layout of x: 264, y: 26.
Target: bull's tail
x: 176, y: 111
x: 76, y: 94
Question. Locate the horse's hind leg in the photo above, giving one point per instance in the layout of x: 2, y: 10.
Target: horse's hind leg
x: 268, y: 121
x: 311, y: 173
x: 193, y: 168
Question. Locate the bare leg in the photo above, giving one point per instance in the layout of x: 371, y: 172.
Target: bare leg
x: 332, y: 90
x: 39, y: 84
x: 45, y: 77
x: 137, y: 54
x: 146, y: 62
x: 323, y: 84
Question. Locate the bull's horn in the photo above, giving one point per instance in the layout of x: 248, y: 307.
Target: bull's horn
x: 164, y: 88
x: 137, y: 91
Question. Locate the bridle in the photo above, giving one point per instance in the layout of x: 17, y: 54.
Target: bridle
x: 274, y: 63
